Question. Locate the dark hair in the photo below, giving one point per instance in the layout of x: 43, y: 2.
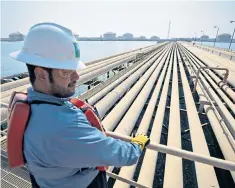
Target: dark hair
x: 32, y: 76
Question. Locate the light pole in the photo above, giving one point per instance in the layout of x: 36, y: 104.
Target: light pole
x: 232, y: 36
x: 202, y: 35
x: 216, y: 34
x: 196, y: 37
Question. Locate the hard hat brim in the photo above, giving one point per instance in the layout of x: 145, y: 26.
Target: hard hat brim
x: 37, y: 60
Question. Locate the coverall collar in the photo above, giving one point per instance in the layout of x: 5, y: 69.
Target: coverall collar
x: 34, y: 95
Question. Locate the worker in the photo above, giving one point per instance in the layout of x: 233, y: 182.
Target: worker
x: 61, y: 148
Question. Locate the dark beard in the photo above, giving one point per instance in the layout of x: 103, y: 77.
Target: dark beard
x: 58, y: 95
x: 62, y: 93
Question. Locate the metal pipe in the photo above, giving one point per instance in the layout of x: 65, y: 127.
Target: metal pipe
x: 227, y: 117
x: 94, y: 99
x: 144, y: 124
x: 4, y: 105
x: 223, y: 164
x: 130, y: 101
x: 24, y: 81
x: 23, y: 84
x: 129, y: 182
x: 150, y: 157
x: 205, y: 97
x: 83, y: 78
x: 220, y: 92
x: 104, y: 63
x: 15, y: 84
x: 211, y: 68
x: 91, y: 63
x: 6, y: 100
x: 172, y: 179
x: 220, y: 163
x: 97, y: 72
x: 217, y: 79
x: 102, y: 89
x: 142, y: 86
x: 136, y: 184
x: 223, y: 136
x: 131, y: 116
x: 213, y: 61
x: 114, y: 116
x: 131, y: 55
x: 222, y: 85
x: 206, y: 176
x: 106, y: 103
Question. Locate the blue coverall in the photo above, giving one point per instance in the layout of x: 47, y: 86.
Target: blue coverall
x: 59, y: 141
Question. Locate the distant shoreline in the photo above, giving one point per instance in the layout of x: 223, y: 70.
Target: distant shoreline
x: 160, y: 40
x: 9, y: 40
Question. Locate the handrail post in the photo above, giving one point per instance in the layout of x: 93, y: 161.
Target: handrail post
x: 211, y: 68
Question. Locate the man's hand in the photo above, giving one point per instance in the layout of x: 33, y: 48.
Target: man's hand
x: 141, y: 140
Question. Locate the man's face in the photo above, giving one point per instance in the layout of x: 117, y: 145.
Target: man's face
x: 64, y: 83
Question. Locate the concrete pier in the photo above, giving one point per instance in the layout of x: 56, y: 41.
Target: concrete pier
x: 173, y: 93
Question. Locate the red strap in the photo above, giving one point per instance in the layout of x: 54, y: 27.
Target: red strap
x: 80, y: 104
x: 91, y: 116
x: 19, y: 112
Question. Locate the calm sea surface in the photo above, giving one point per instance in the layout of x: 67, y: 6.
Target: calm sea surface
x: 219, y: 45
x: 90, y: 50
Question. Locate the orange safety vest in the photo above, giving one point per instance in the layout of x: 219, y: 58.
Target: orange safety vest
x: 18, y: 116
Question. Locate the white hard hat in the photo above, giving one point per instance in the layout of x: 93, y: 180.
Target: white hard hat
x: 52, y: 46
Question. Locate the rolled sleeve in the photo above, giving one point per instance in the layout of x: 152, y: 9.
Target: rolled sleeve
x: 78, y: 144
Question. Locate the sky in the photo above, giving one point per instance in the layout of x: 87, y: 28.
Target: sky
x: 147, y: 18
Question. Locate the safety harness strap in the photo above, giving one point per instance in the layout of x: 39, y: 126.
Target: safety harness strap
x: 43, y: 102
x: 32, y: 178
